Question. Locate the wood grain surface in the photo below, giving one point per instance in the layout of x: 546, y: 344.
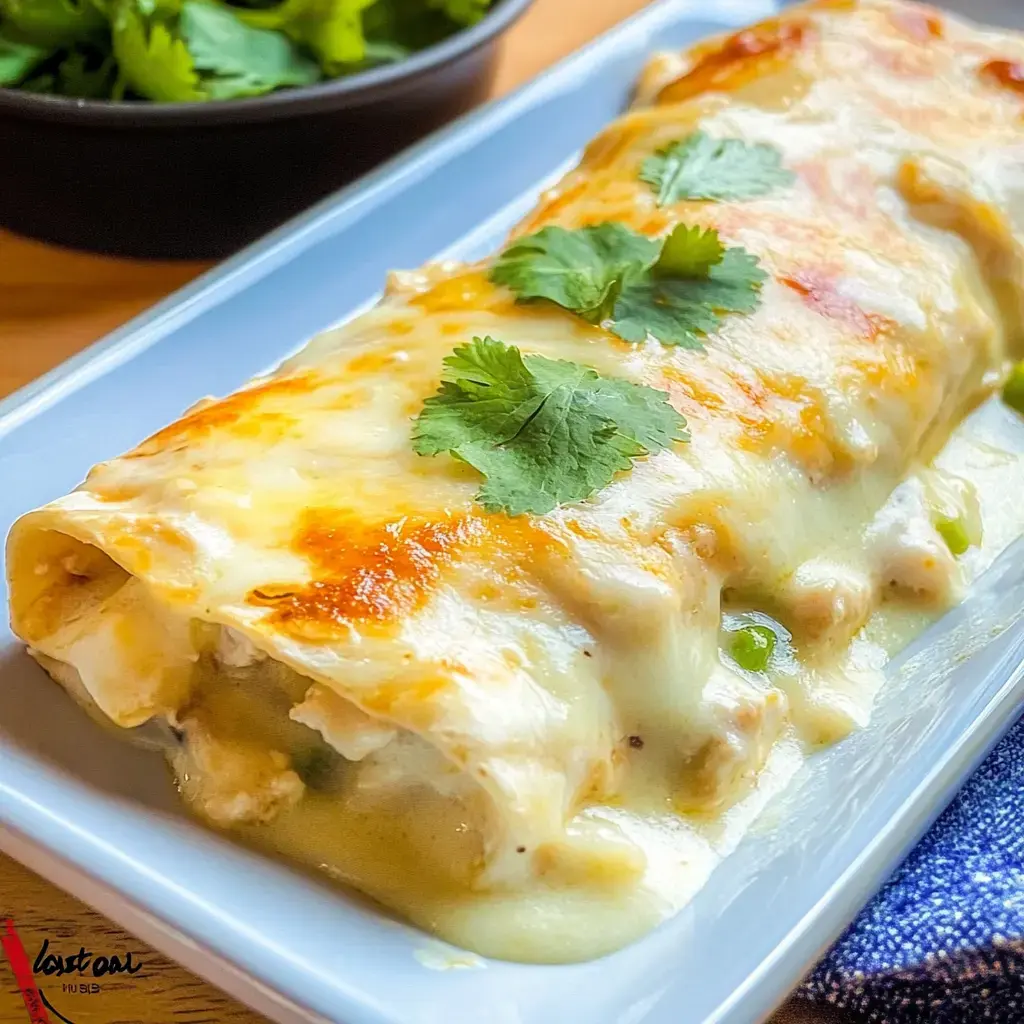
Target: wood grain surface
x: 53, y: 303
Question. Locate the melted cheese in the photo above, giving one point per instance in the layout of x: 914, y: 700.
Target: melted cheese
x: 528, y: 735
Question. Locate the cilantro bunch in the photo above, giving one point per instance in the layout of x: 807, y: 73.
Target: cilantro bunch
x: 194, y: 50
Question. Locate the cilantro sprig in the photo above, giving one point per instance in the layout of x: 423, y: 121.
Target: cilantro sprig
x: 195, y: 50
x: 18, y: 59
x: 52, y: 22
x: 701, y: 167
x: 583, y: 271
x: 331, y: 29
x: 543, y: 432
x: 676, y: 290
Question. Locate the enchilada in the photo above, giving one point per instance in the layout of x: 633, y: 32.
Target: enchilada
x: 536, y: 731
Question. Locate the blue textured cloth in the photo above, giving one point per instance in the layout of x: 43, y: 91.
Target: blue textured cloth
x: 943, y: 942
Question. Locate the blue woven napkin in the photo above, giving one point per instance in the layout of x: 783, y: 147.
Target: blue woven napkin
x: 943, y: 942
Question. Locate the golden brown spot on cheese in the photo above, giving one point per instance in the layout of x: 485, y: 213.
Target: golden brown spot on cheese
x: 154, y: 532
x: 241, y: 413
x: 465, y: 291
x: 742, y: 58
x: 175, y: 594
x: 615, y: 142
x: 690, y: 394
x: 811, y: 444
x: 376, y: 360
x: 585, y: 531
x: 821, y: 293
x: 400, y: 327
x: 553, y: 203
x: 367, y: 574
x: 610, y: 170
x: 804, y: 429
x: 134, y: 553
x: 705, y: 528
x: 645, y: 222
x: 266, y: 426
x: 1007, y: 73
x: 764, y: 412
x: 754, y: 392
x: 713, y: 542
x: 738, y: 403
x: 141, y: 543
x: 487, y: 592
x: 892, y: 370
x: 513, y: 659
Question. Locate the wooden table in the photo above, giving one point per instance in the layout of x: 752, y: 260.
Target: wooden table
x: 52, y: 303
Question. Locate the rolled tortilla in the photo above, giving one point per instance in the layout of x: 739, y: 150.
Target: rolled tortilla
x: 541, y: 713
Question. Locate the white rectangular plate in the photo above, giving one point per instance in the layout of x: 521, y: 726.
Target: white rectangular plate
x: 101, y: 819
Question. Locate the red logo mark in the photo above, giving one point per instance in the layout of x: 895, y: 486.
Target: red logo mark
x: 18, y: 959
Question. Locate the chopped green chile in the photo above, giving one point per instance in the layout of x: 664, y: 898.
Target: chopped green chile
x: 954, y: 533
x: 1013, y: 389
x: 752, y: 647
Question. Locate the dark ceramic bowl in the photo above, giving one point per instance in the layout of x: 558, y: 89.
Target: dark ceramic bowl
x: 203, y: 179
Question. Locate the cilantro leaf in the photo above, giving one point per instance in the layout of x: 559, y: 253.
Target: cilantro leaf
x: 652, y: 309
x: 415, y: 24
x: 692, y: 284
x: 384, y: 53
x: 44, y: 83
x: 408, y: 24
x: 674, y: 290
x: 153, y: 59
x: 700, y: 167
x: 486, y: 393
x: 689, y: 252
x: 53, y: 23
x: 234, y: 59
x: 332, y: 29
x: 18, y: 59
x: 86, y: 74
x: 543, y: 432
x: 582, y: 271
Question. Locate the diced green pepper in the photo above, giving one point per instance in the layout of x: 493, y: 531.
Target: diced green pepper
x: 954, y: 533
x: 752, y: 647
x: 1013, y: 389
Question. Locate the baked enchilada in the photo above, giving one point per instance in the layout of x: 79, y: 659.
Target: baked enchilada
x: 512, y: 601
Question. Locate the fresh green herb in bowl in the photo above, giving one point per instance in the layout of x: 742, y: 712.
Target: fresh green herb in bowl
x: 194, y: 50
